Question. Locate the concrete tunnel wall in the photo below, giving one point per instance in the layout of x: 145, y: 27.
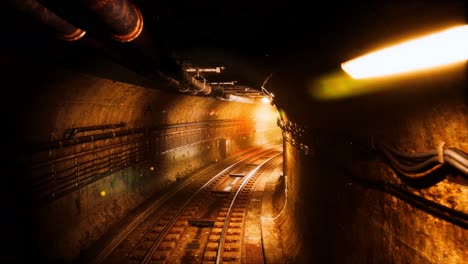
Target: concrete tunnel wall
x: 338, y: 212
x: 63, y: 227
x: 330, y: 217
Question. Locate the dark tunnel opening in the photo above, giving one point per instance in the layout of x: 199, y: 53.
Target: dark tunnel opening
x: 136, y: 133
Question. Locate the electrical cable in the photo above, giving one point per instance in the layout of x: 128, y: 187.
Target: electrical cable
x: 453, y: 216
x: 417, y: 165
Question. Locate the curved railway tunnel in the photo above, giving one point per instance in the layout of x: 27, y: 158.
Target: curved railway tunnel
x: 123, y: 110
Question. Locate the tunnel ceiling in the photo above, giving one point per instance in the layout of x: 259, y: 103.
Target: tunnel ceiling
x: 251, y: 40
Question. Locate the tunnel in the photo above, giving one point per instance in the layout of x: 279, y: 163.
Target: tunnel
x: 230, y: 132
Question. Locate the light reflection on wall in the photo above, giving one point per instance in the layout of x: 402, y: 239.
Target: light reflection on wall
x: 267, y: 130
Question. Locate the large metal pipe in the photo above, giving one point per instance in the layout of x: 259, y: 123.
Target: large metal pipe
x: 199, y: 86
x: 122, y: 17
x: 196, y: 86
x: 61, y: 27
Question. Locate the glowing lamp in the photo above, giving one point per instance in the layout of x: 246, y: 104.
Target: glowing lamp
x: 439, y: 49
x: 266, y: 100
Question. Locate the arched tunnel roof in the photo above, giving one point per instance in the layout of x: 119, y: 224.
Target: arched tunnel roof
x: 251, y: 40
x: 117, y: 75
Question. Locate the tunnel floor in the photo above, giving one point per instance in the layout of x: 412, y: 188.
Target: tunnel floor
x: 222, y: 213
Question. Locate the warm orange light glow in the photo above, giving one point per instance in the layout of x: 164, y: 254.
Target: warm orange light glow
x: 439, y: 49
x: 266, y: 100
x: 267, y: 130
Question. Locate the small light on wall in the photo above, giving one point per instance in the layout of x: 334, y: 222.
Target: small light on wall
x: 439, y: 49
x: 151, y: 168
x: 102, y: 193
x: 266, y: 100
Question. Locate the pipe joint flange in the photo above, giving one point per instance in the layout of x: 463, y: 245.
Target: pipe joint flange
x: 76, y: 35
x: 136, y: 30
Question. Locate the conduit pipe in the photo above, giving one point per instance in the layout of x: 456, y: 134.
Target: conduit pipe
x: 63, y: 29
x: 199, y: 86
x: 122, y: 17
x: 69, y: 141
x: 70, y: 133
x: 125, y: 22
x: 448, y: 214
x: 90, y: 138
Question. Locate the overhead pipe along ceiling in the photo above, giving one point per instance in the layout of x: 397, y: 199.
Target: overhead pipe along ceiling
x: 122, y: 17
x: 62, y: 28
x: 201, y: 85
x: 125, y: 22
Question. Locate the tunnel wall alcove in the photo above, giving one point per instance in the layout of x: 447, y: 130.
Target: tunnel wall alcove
x: 93, y: 149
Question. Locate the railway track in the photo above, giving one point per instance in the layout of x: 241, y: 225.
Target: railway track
x: 202, y: 222
x: 232, y: 229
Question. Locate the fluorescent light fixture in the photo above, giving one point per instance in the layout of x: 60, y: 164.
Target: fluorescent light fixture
x: 438, y: 49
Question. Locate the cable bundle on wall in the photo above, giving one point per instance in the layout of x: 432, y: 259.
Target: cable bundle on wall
x: 451, y: 215
x: 417, y: 165
x: 294, y: 134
